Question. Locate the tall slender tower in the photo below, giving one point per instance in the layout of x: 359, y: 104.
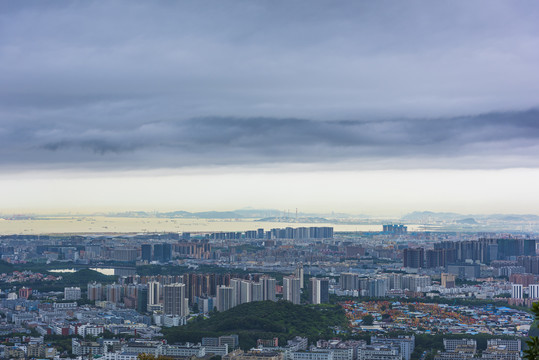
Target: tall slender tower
x: 299, y: 274
x: 246, y: 292
x: 235, y: 284
x: 153, y: 292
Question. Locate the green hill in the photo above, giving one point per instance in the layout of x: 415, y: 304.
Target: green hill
x: 263, y: 320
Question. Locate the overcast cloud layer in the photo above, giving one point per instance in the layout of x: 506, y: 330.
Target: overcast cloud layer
x: 488, y: 141
x: 139, y: 85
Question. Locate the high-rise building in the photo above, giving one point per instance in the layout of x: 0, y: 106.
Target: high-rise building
x: 175, y: 302
x: 349, y: 281
x: 268, y: 288
x: 235, y: 284
x: 516, y: 291
x: 530, y: 263
x: 377, y: 287
x: 146, y: 252
x: 153, y: 292
x: 414, y: 282
x: 301, y: 233
x: 114, y: 293
x: 414, y: 258
x: 162, y: 252
x: 256, y: 291
x: 167, y: 252
x: 245, y: 292
x: 251, y: 234
x: 299, y: 274
x: 158, y: 252
x: 395, y: 281
x: 205, y: 305
x: 395, y: 229
x: 291, y: 289
x: 530, y: 247
x: 486, y: 250
x: 225, y: 298
x: 319, y: 290
x: 95, y: 291
x: 523, y: 279
x: 142, y: 298
x: 533, y: 290
x: 436, y: 258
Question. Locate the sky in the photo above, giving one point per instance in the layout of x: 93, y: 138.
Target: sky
x: 364, y: 107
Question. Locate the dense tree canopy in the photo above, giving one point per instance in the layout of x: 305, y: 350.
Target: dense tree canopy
x: 266, y: 320
x: 532, y: 352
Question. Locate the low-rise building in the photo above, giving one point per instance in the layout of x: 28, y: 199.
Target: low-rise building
x: 500, y: 352
x: 72, y: 293
x: 254, y: 355
x: 312, y: 355
x: 182, y: 350
x: 406, y: 344
x: 82, y: 347
x: 379, y: 352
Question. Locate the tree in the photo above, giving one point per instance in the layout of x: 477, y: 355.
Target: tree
x: 152, y: 357
x: 532, y: 352
x: 107, y: 334
x: 368, y: 319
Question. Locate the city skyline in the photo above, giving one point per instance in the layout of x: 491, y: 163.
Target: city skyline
x: 269, y: 180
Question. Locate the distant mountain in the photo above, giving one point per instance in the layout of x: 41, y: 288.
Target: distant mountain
x: 293, y: 219
x: 424, y: 215
x: 136, y: 214
x: 217, y: 215
x: 467, y: 221
x: 514, y: 217
x: 201, y: 215
x: 182, y: 214
x: 280, y: 216
x: 176, y: 214
x: 235, y: 214
x: 257, y: 213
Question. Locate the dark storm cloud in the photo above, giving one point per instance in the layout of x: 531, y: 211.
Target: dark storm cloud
x: 494, y: 140
x: 137, y: 84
